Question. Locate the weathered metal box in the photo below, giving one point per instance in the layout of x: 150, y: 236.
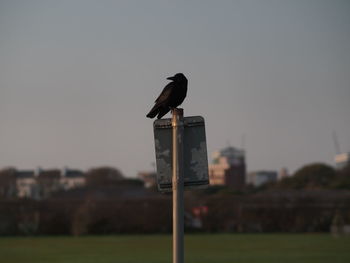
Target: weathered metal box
x: 194, y: 150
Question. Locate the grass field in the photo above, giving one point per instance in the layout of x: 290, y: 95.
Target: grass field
x: 218, y: 248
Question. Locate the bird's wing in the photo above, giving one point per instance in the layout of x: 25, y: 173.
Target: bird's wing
x: 165, y: 93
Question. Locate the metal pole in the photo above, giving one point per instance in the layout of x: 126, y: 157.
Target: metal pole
x: 178, y: 186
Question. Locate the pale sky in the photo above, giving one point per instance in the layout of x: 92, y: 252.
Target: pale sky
x: 78, y: 77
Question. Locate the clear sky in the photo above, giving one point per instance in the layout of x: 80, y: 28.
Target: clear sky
x: 78, y: 77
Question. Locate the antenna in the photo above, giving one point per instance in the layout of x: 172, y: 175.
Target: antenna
x: 336, y: 144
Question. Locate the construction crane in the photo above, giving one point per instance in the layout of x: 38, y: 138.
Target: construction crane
x: 336, y: 144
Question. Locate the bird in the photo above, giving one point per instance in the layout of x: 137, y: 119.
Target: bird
x: 172, y: 96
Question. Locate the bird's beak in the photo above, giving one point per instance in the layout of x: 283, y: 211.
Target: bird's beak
x: 170, y: 78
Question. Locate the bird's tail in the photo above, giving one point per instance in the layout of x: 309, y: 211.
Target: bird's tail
x: 153, y: 112
x: 162, y: 112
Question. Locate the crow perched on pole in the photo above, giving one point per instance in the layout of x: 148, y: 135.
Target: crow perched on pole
x: 172, y: 96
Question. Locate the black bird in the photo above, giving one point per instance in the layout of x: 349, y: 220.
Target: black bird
x: 172, y: 96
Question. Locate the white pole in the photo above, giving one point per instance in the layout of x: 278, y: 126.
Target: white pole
x: 178, y: 186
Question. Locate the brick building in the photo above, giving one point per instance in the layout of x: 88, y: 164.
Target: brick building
x: 228, y: 168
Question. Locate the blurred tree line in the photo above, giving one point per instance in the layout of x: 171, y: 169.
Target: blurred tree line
x: 112, y: 204
x: 317, y: 176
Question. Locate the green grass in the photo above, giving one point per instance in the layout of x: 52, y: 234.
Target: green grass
x: 216, y: 248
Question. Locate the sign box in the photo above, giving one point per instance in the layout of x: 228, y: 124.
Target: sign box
x: 194, y: 150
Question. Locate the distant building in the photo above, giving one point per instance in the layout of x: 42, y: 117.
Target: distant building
x: 72, y: 179
x: 259, y: 178
x: 228, y: 168
x: 341, y: 160
x: 48, y: 182
x: 283, y: 173
x: 40, y: 184
x: 26, y: 184
x: 149, y: 178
